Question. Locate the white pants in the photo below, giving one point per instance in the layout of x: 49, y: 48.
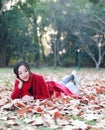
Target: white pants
x: 68, y: 82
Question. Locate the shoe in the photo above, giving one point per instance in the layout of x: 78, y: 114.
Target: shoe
x: 76, y: 78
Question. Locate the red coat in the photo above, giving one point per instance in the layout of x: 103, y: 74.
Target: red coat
x: 37, y: 87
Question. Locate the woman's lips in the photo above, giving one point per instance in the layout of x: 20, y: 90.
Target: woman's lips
x: 25, y: 78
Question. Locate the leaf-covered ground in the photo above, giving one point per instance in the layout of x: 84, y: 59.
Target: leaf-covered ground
x: 64, y: 113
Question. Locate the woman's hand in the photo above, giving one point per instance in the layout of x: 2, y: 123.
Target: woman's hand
x: 20, y: 82
x: 27, y: 98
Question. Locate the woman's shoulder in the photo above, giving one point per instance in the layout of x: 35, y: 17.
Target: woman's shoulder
x: 36, y: 75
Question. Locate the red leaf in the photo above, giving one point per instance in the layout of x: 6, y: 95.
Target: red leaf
x: 57, y: 115
x: 100, y: 90
x: 84, y: 101
x: 39, y: 109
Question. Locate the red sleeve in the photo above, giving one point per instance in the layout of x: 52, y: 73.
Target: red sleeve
x: 41, y: 89
x: 16, y: 92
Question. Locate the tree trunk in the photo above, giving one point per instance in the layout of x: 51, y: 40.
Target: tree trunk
x: 97, y: 66
x: 2, y: 41
x: 2, y: 55
x: 42, y: 48
x: 55, y: 54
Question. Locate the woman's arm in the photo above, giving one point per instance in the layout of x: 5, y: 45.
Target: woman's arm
x: 16, y: 92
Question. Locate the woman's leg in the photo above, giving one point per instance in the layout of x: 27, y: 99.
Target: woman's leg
x: 67, y: 79
x: 72, y: 87
x: 71, y: 82
x: 72, y: 77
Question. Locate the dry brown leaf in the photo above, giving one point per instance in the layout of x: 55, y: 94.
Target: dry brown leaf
x: 19, y: 104
x: 11, y: 122
x: 64, y: 112
x: 25, y: 110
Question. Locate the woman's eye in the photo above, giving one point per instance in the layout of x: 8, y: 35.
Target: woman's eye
x: 22, y: 72
x: 19, y: 73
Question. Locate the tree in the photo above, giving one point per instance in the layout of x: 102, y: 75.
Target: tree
x: 20, y: 39
x: 3, y: 36
x: 92, y: 36
x: 61, y: 25
x: 85, y: 25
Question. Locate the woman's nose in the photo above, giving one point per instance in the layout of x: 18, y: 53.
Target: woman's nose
x: 23, y: 74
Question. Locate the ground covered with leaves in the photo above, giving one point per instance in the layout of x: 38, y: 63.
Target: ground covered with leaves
x: 64, y: 113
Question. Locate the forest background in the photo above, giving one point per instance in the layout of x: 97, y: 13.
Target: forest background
x: 52, y: 32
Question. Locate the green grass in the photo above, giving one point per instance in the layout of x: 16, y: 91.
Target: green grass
x: 49, y: 73
x: 7, y: 75
x: 51, y: 70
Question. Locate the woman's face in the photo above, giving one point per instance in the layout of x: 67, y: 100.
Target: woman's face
x: 23, y: 73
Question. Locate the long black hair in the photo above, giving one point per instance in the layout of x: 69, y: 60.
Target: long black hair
x: 17, y: 65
